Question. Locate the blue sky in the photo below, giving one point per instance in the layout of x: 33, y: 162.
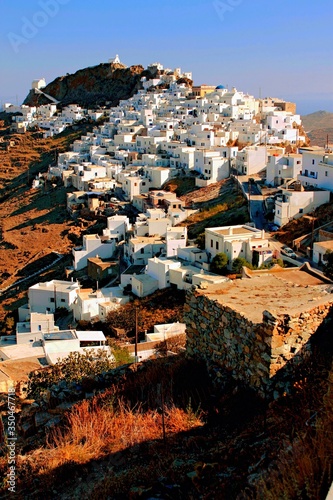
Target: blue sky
x: 283, y: 48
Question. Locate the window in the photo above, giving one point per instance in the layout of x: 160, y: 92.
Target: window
x: 51, y: 299
x: 326, y: 173
x: 217, y: 245
x: 211, y: 243
x: 313, y: 162
x: 62, y: 300
x: 142, y: 250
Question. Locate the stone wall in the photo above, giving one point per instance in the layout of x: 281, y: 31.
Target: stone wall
x: 252, y: 353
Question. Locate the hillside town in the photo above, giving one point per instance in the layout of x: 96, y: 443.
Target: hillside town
x: 167, y: 130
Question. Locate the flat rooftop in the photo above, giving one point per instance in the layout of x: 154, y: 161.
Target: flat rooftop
x: 325, y: 244
x: 22, y: 351
x: 58, y: 285
x: 237, y: 230
x: 277, y: 295
x: 62, y: 335
x: 91, y: 335
x: 147, y: 239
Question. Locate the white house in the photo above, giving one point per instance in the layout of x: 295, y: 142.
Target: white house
x: 292, y: 204
x: 159, y: 269
x: 194, y: 255
x: 91, y: 304
x: 50, y: 295
x: 251, y: 160
x: 317, y: 169
x: 143, y: 285
x: 319, y: 250
x: 156, y: 176
x: 117, y: 227
x: 31, y: 331
x: 212, y: 165
x: 235, y: 241
x: 92, y: 246
x: 176, y: 237
x: 281, y: 168
x: 38, y: 84
x: 186, y: 276
x: 133, y: 186
x: 139, y: 249
x: 58, y: 345
x: 152, y: 226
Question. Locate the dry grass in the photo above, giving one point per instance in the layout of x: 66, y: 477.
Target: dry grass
x: 93, y: 432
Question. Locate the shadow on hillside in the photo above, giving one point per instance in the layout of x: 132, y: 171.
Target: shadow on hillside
x: 54, y: 216
x: 180, y: 382
x: 44, y: 200
x: 22, y: 179
x: 38, y: 264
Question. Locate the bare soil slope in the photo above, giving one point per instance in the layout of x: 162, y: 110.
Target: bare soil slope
x: 33, y: 222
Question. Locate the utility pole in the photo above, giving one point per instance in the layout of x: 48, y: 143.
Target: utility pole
x: 312, y: 237
x: 136, y: 335
x: 163, y: 418
x: 55, y: 298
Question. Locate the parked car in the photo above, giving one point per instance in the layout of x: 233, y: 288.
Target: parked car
x: 289, y: 252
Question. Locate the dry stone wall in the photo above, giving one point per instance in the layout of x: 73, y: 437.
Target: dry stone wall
x: 253, y: 353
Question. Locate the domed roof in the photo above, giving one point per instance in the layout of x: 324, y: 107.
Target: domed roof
x: 220, y: 87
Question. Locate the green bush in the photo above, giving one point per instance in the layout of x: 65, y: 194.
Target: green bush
x: 73, y: 368
x: 239, y: 263
x: 219, y: 264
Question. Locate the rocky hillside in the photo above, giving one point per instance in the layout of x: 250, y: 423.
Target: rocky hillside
x: 94, y: 86
x: 163, y: 429
x: 34, y: 223
x: 318, y: 126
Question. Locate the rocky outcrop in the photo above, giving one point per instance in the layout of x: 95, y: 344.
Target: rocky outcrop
x: 105, y: 84
x: 94, y: 86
